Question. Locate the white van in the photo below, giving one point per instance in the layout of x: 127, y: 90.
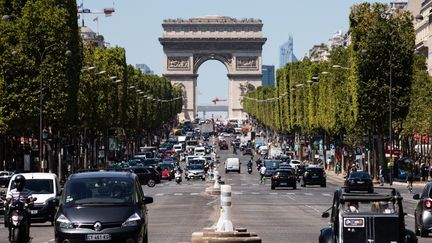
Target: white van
x: 232, y: 164
x: 199, y: 151
x: 46, y: 188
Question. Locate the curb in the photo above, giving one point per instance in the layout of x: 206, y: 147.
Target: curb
x: 211, y: 236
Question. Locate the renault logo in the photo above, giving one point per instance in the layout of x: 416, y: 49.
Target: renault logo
x: 97, y: 226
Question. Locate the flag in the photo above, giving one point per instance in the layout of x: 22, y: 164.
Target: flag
x: 96, y: 19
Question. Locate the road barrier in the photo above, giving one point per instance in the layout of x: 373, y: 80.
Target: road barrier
x: 224, y: 223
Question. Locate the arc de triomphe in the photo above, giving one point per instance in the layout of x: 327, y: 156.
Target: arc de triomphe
x: 236, y: 43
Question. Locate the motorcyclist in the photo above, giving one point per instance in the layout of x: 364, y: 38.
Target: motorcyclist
x: 249, y: 163
x: 19, y: 193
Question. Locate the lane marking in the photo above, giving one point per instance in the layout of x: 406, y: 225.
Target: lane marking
x: 244, y: 184
x: 273, y: 193
x: 290, y: 193
x: 255, y: 184
x: 410, y: 215
x: 256, y: 193
x: 178, y: 194
x: 194, y: 193
x: 326, y: 195
x: 159, y: 194
x: 316, y: 210
x: 291, y: 198
x: 238, y: 193
x: 308, y: 194
x: 212, y: 202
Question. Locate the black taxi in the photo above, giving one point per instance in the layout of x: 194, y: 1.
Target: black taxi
x: 366, y: 217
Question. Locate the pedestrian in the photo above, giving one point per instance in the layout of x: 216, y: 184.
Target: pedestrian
x: 409, y: 179
x: 338, y: 168
x: 262, y: 171
x: 381, y: 175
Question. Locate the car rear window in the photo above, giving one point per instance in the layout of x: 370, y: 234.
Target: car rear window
x: 284, y: 173
x: 359, y: 175
x: 38, y: 186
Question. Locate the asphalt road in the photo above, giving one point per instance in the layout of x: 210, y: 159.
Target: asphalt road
x: 282, y: 215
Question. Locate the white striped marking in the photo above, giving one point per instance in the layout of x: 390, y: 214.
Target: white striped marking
x: 178, y: 194
x: 244, y: 184
x: 308, y: 194
x: 273, y: 193
x: 238, y: 193
x: 410, y: 215
x: 255, y: 184
x: 316, y: 210
x: 194, y: 193
x: 290, y: 193
x: 159, y: 194
x: 256, y: 193
x: 326, y: 195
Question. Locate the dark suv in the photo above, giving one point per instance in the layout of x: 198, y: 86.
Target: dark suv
x: 313, y: 175
x: 102, y: 206
x: 146, y: 175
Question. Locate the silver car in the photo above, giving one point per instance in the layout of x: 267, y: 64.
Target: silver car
x: 423, y: 211
x: 195, y: 171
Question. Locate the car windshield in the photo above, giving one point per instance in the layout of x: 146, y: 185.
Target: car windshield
x: 100, y: 190
x: 376, y: 207
x: 38, y: 186
x: 166, y: 166
x: 195, y: 167
x: 272, y: 164
x: 192, y: 143
x: 355, y: 175
x: 314, y: 170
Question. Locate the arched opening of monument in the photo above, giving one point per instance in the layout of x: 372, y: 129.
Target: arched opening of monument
x: 212, y: 90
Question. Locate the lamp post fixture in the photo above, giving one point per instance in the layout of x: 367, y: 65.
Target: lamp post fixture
x: 41, y: 96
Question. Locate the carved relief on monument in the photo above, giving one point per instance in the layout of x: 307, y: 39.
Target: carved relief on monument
x: 247, y: 63
x: 178, y: 63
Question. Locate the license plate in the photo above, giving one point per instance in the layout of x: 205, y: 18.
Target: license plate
x: 360, y: 182
x: 33, y: 211
x: 98, y: 237
x: 314, y: 176
x: 283, y: 184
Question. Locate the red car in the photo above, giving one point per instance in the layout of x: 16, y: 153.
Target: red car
x: 167, y: 171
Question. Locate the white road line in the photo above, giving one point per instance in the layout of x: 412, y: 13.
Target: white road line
x: 256, y: 193
x: 308, y: 194
x: 290, y: 193
x: 194, y: 193
x: 247, y: 184
x: 237, y: 193
x: 273, y: 193
x: 326, y: 195
x: 159, y: 194
x: 410, y: 215
x: 291, y: 198
x: 210, y: 203
x: 229, y: 179
x: 316, y: 210
x: 255, y: 184
x: 178, y: 194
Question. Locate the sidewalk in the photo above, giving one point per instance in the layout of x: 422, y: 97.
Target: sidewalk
x: 340, y: 178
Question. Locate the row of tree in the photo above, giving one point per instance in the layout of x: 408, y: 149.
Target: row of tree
x: 348, y: 96
x: 83, y: 91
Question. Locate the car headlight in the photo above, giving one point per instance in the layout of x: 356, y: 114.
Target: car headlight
x: 64, y: 222
x: 132, y: 220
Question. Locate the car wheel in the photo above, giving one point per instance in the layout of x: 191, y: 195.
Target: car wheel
x: 151, y: 183
x: 423, y: 232
x: 416, y: 228
x: 239, y: 171
x: 294, y: 187
x: 303, y: 184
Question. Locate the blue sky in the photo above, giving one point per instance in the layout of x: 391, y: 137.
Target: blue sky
x: 136, y: 26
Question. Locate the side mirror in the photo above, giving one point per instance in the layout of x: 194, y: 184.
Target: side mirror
x: 55, y: 201
x: 416, y: 197
x: 147, y: 200
x: 325, y: 215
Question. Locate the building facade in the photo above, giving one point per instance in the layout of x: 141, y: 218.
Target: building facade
x: 144, y: 68
x: 268, y: 75
x: 421, y: 10
x: 322, y: 51
x: 286, y: 53
x: 90, y: 37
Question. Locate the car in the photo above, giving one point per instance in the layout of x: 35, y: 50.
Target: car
x: 283, y: 177
x: 46, y: 188
x: 262, y: 150
x: 271, y: 166
x: 313, y: 175
x: 5, y: 177
x: 223, y: 145
x: 295, y: 163
x: 423, y: 211
x: 195, y: 171
x: 232, y: 164
x: 167, y: 170
x: 359, y: 181
x: 247, y: 151
x: 146, y: 175
x: 102, y: 206
x: 366, y: 217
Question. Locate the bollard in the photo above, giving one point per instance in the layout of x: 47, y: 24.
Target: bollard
x: 224, y: 223
x: 216, y: 179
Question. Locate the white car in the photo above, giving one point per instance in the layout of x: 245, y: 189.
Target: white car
x: 295, y: 163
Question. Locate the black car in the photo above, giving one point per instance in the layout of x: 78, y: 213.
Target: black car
x: 146, y: 175
x: 423, y: 211
x: 102, y: 206
x: 366, y: 217
x: 5, y: 177
x: 313, y: 175
x: 283, y: 177
x: 359, y: 181
x: 271, y: 166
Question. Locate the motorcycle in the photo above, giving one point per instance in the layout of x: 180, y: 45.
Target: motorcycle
x: 249, y: 169
x: 18, y: 221
x: 178, y: 177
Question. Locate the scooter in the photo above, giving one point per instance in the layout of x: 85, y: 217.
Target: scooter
x: 19, y: 220
x: 178, y: 177
x: 249, y: 169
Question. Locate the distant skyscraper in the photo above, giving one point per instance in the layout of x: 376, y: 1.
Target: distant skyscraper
x: 268, y: 75
x: 286, y: 52
x: 144, y: 68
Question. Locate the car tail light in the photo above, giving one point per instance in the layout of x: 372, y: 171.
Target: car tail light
x: 291, y: 177
x: 427, y: 204
x: 276, y: 177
